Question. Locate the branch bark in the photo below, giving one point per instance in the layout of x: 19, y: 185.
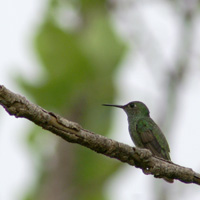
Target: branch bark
x: 19, y: 106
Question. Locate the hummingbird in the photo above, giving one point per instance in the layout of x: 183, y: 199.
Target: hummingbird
x: 144, y: 132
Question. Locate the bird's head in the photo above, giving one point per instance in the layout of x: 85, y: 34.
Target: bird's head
x: 134, y: 108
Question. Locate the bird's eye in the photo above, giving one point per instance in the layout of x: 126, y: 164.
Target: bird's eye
x: 132, y: 105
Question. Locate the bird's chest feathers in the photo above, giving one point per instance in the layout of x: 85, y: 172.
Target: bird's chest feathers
x: 133, y: 131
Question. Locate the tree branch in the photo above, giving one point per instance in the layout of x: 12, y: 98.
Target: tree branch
x: 72, y: 132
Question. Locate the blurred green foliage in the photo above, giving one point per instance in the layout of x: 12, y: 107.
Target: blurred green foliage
x: 79, y: 65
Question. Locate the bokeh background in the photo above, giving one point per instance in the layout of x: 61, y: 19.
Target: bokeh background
x: 70, y: 56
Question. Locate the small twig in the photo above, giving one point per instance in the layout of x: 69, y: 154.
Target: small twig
x: 19, y: 106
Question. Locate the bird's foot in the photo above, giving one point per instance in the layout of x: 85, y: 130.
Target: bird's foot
x: 144, y: 154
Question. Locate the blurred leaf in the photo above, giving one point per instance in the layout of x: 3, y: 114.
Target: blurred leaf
x: 79, y: 67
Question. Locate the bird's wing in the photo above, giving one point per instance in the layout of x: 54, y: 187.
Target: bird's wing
x: 153, y: 138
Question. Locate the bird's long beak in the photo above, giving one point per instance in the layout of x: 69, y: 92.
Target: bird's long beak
x: 118, y: 106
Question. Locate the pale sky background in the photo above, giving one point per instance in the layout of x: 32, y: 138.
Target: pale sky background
x: 18, y: 20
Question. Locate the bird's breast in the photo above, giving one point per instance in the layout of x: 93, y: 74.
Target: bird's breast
x: 134, y: 134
